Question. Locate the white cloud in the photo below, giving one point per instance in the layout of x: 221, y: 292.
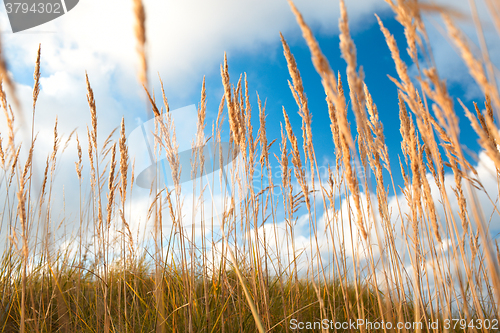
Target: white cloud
x: 185, y: 41
x: 339, y: 233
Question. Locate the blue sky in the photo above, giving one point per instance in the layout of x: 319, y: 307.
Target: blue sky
x: 268, y: 74
x: 187, y: 40
x: 261, y: 58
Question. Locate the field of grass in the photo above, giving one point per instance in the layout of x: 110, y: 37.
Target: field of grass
x: 247, y: 274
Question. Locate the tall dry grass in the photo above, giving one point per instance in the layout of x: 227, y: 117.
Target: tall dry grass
x: 425, y: 257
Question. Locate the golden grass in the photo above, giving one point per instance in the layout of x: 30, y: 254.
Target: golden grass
x: 251, y: 275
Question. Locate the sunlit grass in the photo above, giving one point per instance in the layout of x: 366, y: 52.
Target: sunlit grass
x: 251, y: 274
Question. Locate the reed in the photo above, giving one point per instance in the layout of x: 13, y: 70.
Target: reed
x: 239, y: 263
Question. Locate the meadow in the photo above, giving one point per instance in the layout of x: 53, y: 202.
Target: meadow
x: 413, y: 257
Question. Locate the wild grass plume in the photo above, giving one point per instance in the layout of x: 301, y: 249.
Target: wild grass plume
x: 420, y: 254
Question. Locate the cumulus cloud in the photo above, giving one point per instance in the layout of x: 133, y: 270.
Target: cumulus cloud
x: 338, y: 235
x: 185, y: 41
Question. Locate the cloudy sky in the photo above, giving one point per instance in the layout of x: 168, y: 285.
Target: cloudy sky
x: 187, y: 40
